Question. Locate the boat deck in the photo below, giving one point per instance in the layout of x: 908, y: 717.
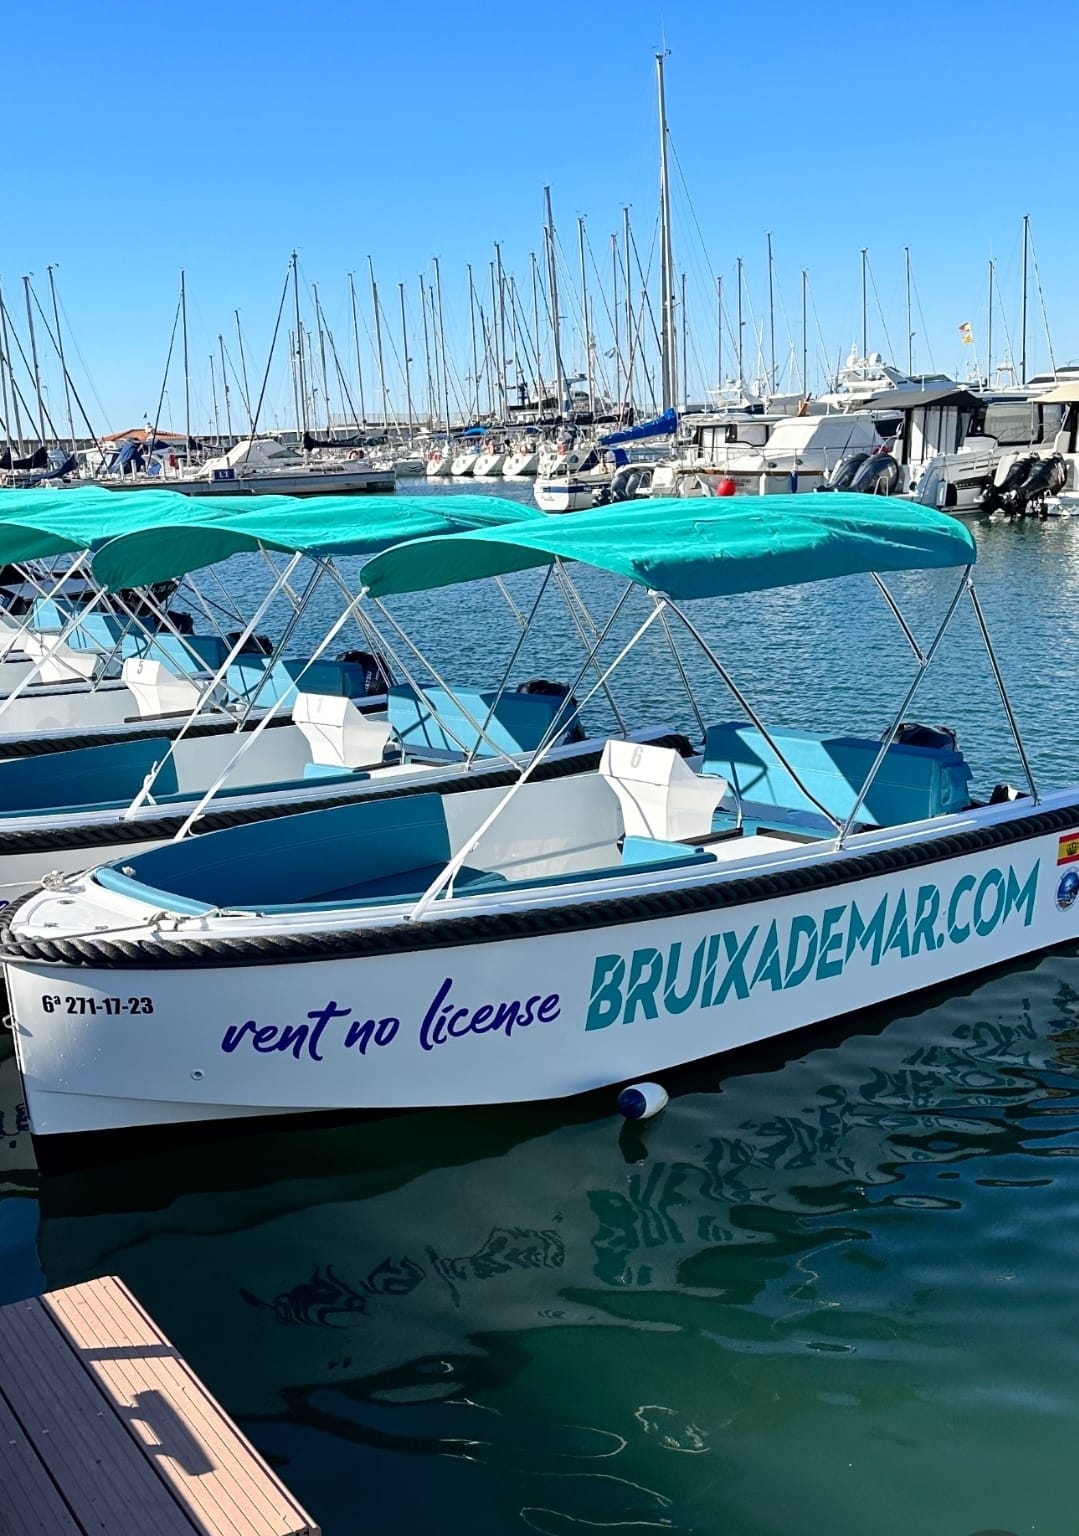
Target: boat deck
x: 104, y: 1427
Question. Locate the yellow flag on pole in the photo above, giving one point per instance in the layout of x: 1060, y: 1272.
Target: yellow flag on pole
x: 966, y: 334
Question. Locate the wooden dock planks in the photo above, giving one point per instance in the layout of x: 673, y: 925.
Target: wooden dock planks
x: 105, y: 1428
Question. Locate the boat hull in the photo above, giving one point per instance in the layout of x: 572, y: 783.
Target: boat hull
x: 524, y: 1002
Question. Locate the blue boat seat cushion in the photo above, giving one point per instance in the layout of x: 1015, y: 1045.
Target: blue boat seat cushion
x: 912, y: 784
x: 518, y: 721
x: 88, y: 777
x: 291, y: 861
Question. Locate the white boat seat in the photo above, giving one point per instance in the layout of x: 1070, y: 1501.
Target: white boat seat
x: 658, y: 792
x: 158, y: 691
x: 338, y: 734
x: 56, y: 661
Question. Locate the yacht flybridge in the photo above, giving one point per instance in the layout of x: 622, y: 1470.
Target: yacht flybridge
x: 659, y: 903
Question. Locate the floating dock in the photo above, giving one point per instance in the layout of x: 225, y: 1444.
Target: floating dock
x: 105, y: 1428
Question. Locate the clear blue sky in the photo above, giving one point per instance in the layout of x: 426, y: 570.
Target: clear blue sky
x: 218, y: 137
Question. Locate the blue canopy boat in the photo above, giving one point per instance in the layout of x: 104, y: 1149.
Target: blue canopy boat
x: 568, y: 932
x: 257, y: 732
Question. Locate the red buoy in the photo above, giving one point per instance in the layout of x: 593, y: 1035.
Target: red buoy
x: 726, y: 488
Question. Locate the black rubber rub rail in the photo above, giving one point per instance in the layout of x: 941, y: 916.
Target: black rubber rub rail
x: 450, y: 933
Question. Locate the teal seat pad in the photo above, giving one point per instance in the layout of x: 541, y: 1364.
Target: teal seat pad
x: 912, y: 784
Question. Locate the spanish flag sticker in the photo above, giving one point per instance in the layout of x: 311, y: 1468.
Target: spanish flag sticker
x: 1068, y: 849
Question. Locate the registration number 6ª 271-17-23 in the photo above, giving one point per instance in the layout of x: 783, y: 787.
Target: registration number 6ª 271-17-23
x: 54, y: 1004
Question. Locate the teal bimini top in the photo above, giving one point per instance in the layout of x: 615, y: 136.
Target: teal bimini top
x: 158, y: 549
x: 37, y: 523
x: 695, y: 548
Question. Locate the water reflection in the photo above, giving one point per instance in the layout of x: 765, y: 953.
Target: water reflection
x: 853, y: 1249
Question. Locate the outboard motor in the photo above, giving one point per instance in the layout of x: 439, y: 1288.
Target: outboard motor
x: 878, y: 476
x: 254, y: 645
x: 1045, y: 478
x: 376, y: 673
x: 1000, y: 493
x: 840, y: 476
x: 939, y: 737
x: 625, y: 484
x: 574, y: 730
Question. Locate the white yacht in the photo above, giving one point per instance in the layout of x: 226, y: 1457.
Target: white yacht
x: 801, y: 452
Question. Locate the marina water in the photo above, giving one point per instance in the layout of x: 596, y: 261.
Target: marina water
x: 830, y: 1289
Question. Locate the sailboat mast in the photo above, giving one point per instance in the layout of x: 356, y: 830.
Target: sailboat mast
x: 1026, y: 249
x: 552, y: 288
x: 34, y: 363
x: 805, y: 335
x: 719, y: 336
x: 442, y: 346
x: 614, y: 312
x: 685, y: 346
x: 187, y: 371
x: 910, y: 333
x: 741, y: 329
x: 378, y: 346
x: 865, y: 307
x: 322, y: 359
x: 225, y: 387
x: 408, y: 365
x: 301, y: 380
x: 989, y: 349
x: 668, y: 344
x: 475, y: 357
x: 427, y: 354
x: 63, y: 363
x: 489, y: 347
x: 11, y: 375
x: 501, y: 312
x: 515, y: 339
x: 584, y: 319
x: 362, y: 423
x: 213, y: 398
x: 536, y: 329
x: 4, y: 370
x: 771, y: 318
x: 630, y: 336
x: 243, y: 370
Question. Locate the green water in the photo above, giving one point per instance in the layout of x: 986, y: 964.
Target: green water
x: 832, y: 1289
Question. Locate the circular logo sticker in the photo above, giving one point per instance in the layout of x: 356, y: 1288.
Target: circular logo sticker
x: 1067, y: 890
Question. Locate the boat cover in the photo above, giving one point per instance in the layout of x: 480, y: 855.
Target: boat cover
x: 339, y: 525
x: 695, y: 548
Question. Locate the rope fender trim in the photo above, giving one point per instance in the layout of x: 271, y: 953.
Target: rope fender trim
x: 176, y: 954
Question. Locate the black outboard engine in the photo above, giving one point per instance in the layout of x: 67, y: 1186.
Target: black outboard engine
x: 840, y: 476
x: 999, y: 495
x: 574, y: 730
x: 1045, y: 478
x: 913, y: 734
x: 376, y: 672
x: 878, y: 476
x: 625, y: 483
x: 254, y: 645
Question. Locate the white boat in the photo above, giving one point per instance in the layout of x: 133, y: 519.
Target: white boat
x: 572, y: 480
x: 1008, y: 451
x: 801, y: 452
x: 490, y: 462
x: 464, y: 463
x: 703, y: 454
x: 259, y: 732
x: 439, y: 460
x: 523, y: 459
x: 572, y: 931
x: 260, y: 467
